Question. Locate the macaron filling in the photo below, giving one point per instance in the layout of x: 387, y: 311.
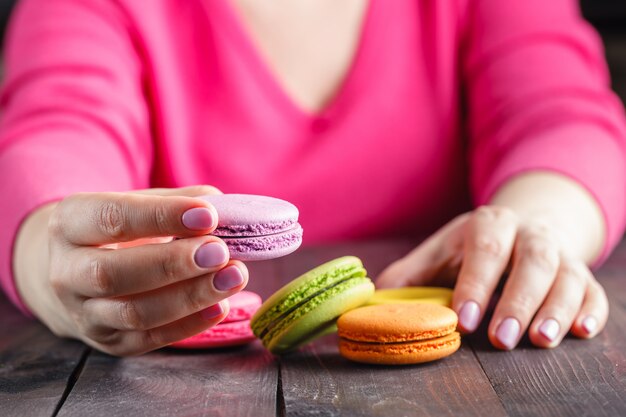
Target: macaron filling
x: 401, y: 348
x: 309, y: 304
x: 262, y: 229
x: 303, y: 294
x: 243, y: 244
x: 409, y: 337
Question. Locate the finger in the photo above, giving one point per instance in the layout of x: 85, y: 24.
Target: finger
x: 191, y: 191
x: 594, y: 312
x: 488, y: 243
x: 422, y: 263
x: 113, y: 273
x: 556, y: 315
x: 165, y: 305
x: 139, y: 342
x: 100, y: 218
x: 535, y: 264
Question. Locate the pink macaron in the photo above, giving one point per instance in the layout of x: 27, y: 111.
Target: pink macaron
x: 234, y: 330
x: 256, y: 227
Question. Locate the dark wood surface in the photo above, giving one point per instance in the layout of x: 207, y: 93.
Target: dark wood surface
x: 41, y: 375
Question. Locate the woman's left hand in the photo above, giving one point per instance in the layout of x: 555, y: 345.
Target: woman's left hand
x: 546, y: 292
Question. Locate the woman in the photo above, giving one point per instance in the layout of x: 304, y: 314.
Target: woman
x: 372, y: 117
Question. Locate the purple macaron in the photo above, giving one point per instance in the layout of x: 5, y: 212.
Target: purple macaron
x: 256, y: 227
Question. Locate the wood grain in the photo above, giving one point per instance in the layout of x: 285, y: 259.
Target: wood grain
x: 577, y: 378
x: 318, y: 381
x: 226, y: 382
x: 238, y: 381
x: 35, y: 366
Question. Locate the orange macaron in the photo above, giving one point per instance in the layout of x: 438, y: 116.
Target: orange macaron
x: 398, y: 334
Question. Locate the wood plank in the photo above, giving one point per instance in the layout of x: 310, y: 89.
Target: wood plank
x: 317, y: 381
x: 236, y: 381
x: 582, y: 378
x: 239, y: 381
x: 35, y: 366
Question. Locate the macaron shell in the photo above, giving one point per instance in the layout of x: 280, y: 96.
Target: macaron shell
x: 400, y: 353
x: 251, y: 215
x: 243, y: 305
x: 261, y: 248
x: 317, y: 314
x: 226, y: 334
x: 305, y: 286
x: 234, y: 330
x: 391, y: 323
x: 427, y: 295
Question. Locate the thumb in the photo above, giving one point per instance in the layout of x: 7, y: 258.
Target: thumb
x: 423, y: 264
x: 191, y: 191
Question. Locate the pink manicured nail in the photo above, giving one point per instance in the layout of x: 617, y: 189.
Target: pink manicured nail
x: 590, y: 324
x: 550, y: 329
x: 508, y: 332
x: 212, y: 312
x: 211, y: 255
x: 469, y: 315
x: 199, y: 218
x: 228, y: 278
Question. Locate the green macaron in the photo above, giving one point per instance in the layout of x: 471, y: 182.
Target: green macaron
x: 309, y: 306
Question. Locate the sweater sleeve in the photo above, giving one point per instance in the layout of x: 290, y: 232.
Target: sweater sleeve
x: 539, y: 99
x: 74, y: 116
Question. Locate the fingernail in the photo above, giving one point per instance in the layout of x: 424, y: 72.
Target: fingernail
x: 228, y: 278
x: 590, y: 324
x: 211, y: 255
x: 199, y: 218
x: 212, y: 312
x: 508, y: 332
x: 550, y: 329
x: 469, y: 315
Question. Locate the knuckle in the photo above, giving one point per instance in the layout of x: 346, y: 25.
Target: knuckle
x: 154, y: 339
x: 58, y: 284
x: 523, y: 303
x: 112, y: 220
x: 504, y: 213
x: 195, y: 298
x: 488, y: 244
x: 540, y: 253
x: 55, y: 222
x: 161, y: 219
x: 495, y: 213
x: 170, y: 268
x: 478, y: 285
x: 575, y: 273
x: 596, y: 291
x: 101, y: 281
x: 208, y: 189
x: 130, y: 316
x: 485, y: 212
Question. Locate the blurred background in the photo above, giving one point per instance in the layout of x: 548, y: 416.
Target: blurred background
x: 608, y: 16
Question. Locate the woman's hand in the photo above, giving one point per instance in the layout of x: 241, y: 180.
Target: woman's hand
x: 546, y: 292
x: 116, y: 280
x: 541, y: 227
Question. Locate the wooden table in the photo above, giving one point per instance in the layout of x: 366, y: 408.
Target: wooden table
x: 41, y: 375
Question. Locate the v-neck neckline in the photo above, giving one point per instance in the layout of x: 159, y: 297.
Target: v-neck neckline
x: 268, y: 78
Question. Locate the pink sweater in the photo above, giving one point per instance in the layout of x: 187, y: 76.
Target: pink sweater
x: 445, y: 100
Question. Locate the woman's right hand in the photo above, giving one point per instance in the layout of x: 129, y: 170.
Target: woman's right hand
x: 116, y: 280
